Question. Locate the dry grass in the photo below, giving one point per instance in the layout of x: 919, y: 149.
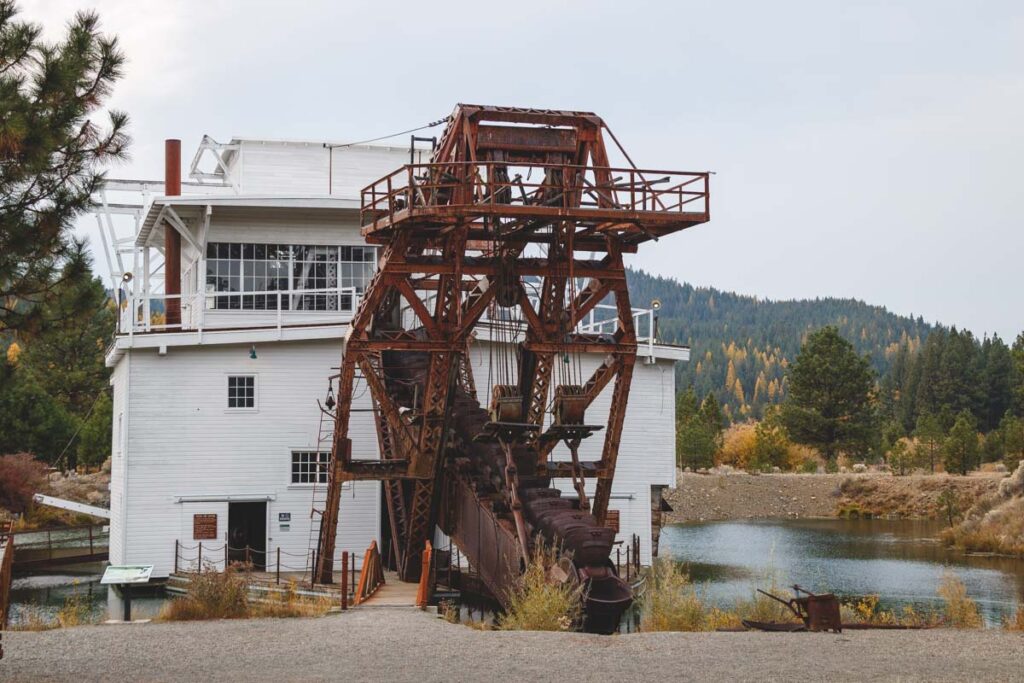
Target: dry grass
x: 540, y: 604
x: 912, y: 496
x: 995, y: 524
x: 673, y: 603
x: 289, y: 604
x: 1017, y: 622
x: 866, y: 610
x: 959, y: 610
x: 225, y: 595
x: 34, y: 618
x: 77, y: 610
x: 670, y: 602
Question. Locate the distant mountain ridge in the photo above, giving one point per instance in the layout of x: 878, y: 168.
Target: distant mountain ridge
x: 741, y: 345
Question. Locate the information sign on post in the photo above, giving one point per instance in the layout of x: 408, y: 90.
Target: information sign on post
x: 124, y: 576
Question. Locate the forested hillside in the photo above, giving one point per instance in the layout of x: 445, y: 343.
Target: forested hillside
x: 742, y: 345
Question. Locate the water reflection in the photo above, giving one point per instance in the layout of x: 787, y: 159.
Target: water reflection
x: 899, y: 560
x: 39, y: 597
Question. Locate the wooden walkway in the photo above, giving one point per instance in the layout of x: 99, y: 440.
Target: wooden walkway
x: 394, y: 593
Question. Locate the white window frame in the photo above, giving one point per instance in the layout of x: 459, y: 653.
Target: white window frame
x: 255, y: 393
x: 305, y: 484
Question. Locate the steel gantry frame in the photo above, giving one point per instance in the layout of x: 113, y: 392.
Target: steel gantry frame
x: 510, y: 194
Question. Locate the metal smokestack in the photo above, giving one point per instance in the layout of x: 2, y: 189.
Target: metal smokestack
x: 172, y: 239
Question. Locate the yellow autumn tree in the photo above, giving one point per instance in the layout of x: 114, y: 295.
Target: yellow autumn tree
x: 13, y: 353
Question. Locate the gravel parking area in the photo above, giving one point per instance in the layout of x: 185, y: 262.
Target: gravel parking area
x: 400, y: 644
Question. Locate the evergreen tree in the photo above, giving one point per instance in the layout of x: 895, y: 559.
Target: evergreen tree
x: 1011, y: 436
x: 51, y: 154
x: 711, y: 413
x: 94, y: 439
x: 996, y: 377
x: 66, y: 355
x: 829, y: 405
x: 697, y: 438
x: 930, y: 438
x: 1018, y: 374
x: 962, y: 449
x: 31, y: 420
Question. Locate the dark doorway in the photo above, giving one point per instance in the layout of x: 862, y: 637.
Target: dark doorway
x: 247, y: 533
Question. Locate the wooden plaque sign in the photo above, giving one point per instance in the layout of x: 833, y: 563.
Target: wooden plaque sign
x: 204, y: 527
x: 611, y: 520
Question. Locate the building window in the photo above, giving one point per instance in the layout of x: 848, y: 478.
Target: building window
x: 241, y: 391
x: 310, y: 467
x: 248, y: 276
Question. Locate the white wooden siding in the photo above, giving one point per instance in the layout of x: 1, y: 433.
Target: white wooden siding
x: 185, y: 444
x: 309, y: 168
x: 118, y: 460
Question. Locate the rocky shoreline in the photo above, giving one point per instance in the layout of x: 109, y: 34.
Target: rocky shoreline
x: 738, y: 495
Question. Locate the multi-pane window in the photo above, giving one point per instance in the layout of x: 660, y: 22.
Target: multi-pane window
x: 241, y: 391
x: 248, y: 276
x: 310, y: 467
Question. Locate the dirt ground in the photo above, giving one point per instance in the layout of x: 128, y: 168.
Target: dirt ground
x: 392, y: 644
x: 737, y: 495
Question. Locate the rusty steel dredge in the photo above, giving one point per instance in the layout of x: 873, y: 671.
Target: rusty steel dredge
x: 495, y: 242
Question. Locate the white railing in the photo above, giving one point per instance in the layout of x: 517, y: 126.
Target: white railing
x: 237, y: 310
x: 599, y: 322
x: 602, y: 319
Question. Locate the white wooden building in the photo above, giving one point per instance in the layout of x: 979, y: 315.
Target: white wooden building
x: 216, y: 432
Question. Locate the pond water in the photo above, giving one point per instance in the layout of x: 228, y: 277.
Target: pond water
x: 39, y: 597
x: 898, y: 560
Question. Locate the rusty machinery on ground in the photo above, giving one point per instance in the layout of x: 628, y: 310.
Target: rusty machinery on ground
x: 508, y: 238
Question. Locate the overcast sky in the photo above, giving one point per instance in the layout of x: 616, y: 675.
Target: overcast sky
x: 860, y: 149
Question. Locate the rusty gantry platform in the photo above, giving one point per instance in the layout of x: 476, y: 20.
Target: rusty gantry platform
x: 488, y: 241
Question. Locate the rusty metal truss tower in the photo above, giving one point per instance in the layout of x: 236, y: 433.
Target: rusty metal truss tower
x: 519, y: 210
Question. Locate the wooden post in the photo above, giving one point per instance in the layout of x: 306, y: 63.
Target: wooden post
x: 628, y: 547
x: 90, y: 540
x: 344, y: 579
x: 352, y: 572
x: 175, y: 556
x: 279, y: 565
x: 248, y: 556
x: 312, y: 571
x: 225, y: 555
x: 199, y: 562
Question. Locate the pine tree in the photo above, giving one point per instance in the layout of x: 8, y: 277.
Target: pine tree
x: 829, y: 404
x: 1017, y: 381
x: 51, y: 154
x: 930, y: 437
x: 711, y: 413
x: 962, y: 448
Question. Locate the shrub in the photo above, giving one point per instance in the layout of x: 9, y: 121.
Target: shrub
x: 21, y: 475
x: 537, y: 604
x: 738, y: 446
x: 670, y: 602
x: 960, y: 610
x: 211, y: 595
x: 76, y: 611
x: 1017, y: 622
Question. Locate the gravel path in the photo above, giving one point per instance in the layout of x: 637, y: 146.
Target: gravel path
x: 399, y: 644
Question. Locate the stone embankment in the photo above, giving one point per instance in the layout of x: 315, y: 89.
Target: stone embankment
x: 738, y: 495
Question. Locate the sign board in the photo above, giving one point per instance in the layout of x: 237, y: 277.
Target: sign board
x: 204, y: 527
x: 126, y: 574
x: 611, y: 520
x: 284, y: 516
